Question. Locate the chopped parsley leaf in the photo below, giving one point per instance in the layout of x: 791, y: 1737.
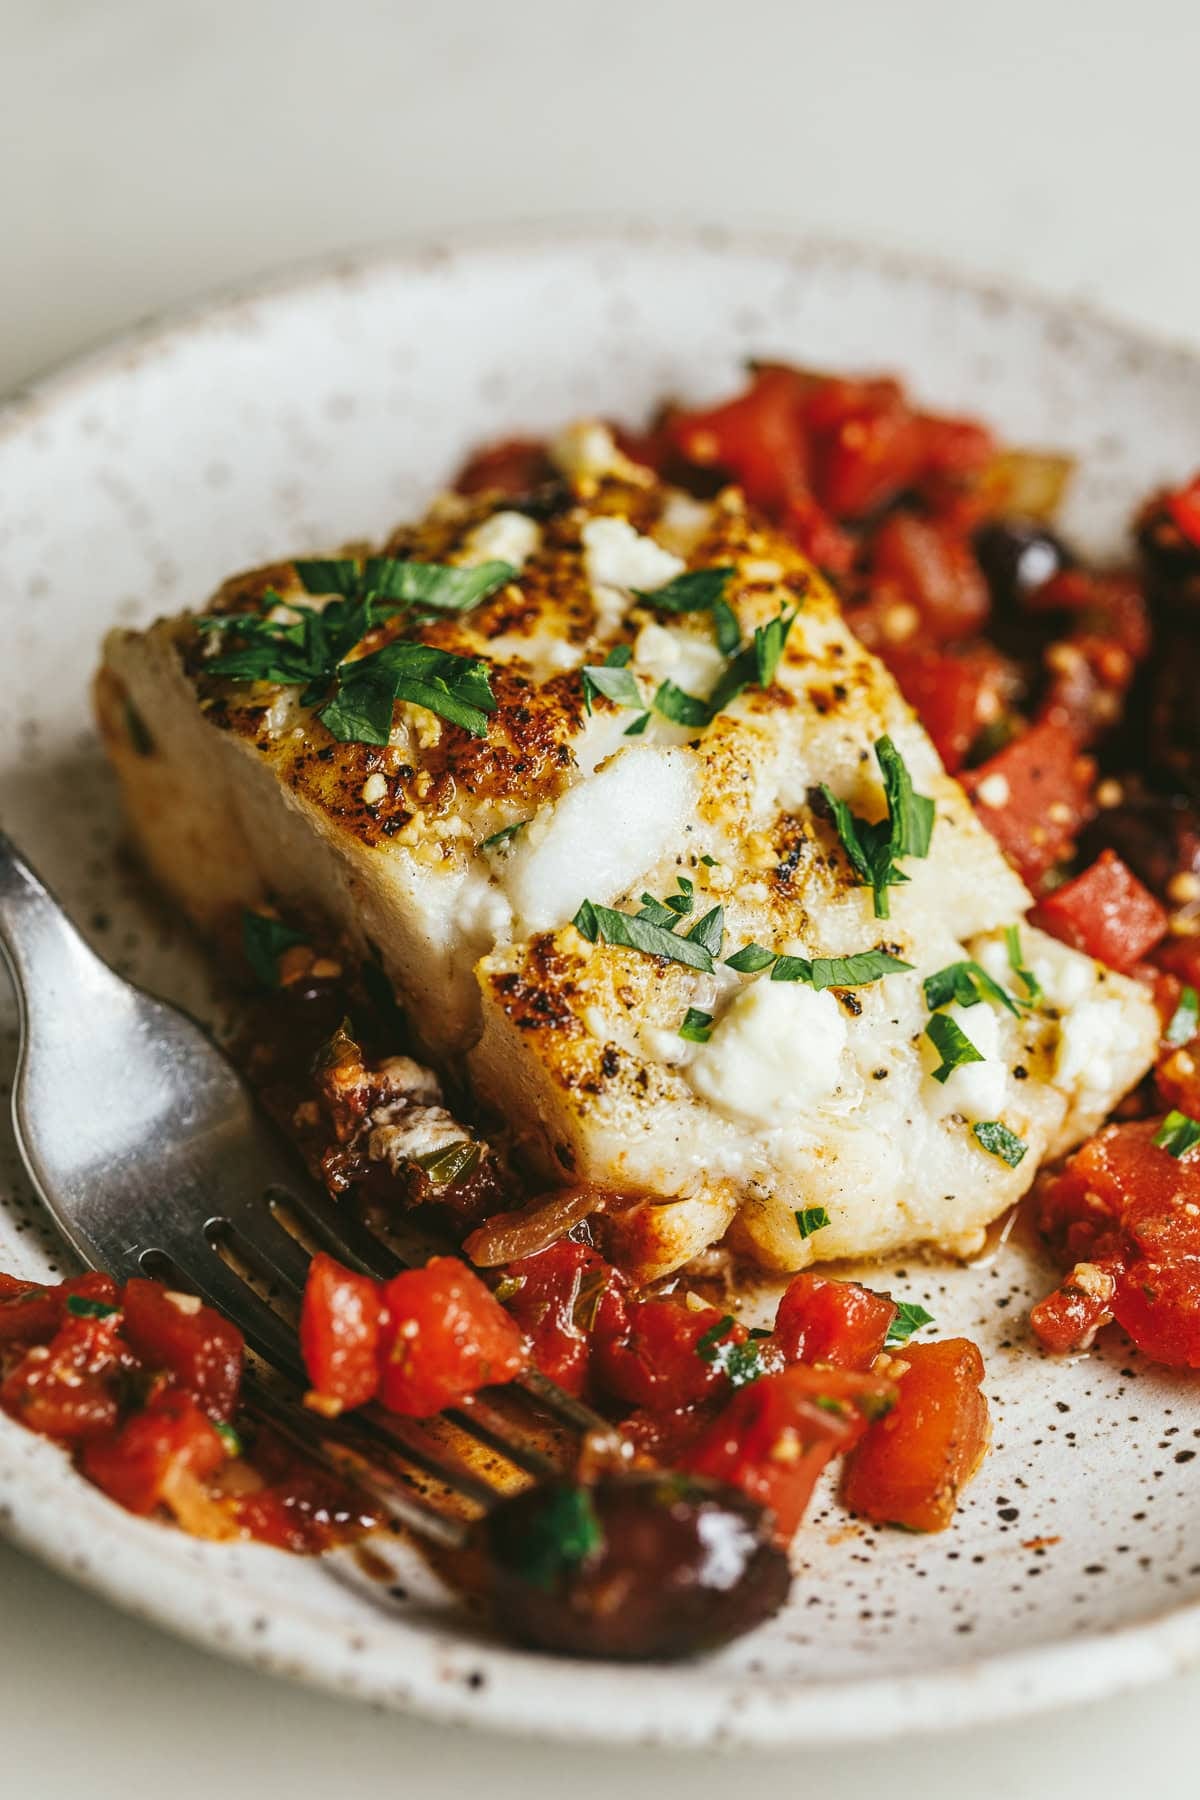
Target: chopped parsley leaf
x: 264, y: 941
x: 1178, y: 1134
x: 505, y: 835
x: 452, y: 1163
x: 839, y: 971
x: 311, y: 650
x: 229, y: 1437
x: 1028, y: 980
x: 700, y: 590
x: 1000, y: 1141
x: 739, y: 1363
x: 709, y: 931
x: 1185, y: 1020
x: 697, y: 1026
x: 875, y: 849
x: 84, y: 1307
x: 966, y: 983
x: 755, y: 664
x: 604, y: 925
x: 639, y: 725
x: 810, y: 1219
x: 909, y: 1318
x: 564, y: 1533
x: 614, y: 679
x: 952, y: 1045
x: 680, y: 707
x: 750, y: 959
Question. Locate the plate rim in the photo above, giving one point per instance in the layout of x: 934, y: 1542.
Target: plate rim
x: 857, y: 1709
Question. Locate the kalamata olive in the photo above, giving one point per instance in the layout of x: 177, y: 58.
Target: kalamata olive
x: 639, y: 1567
x: 1017, y: 556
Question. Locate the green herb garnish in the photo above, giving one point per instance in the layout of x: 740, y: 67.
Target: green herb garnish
x: 84, y: 1307
x: 999, y: 1141
x: 966, y: 983
x: 680, y: 707
x: 505, y: 835
x: 909, y: 1318
x: 563, y: 1534
x: 604, y: 925
x: 952, y: 1045
x: 810, y: 1219
x: 1027, y: 978
x: 1178, y: 1134
x: 452, y: 1163
x: 700, y: 590
x: 709, y: 931
x: 839, y: 971
x: 1185, y: 1020
x: 697, y: 1026
x: 311, y: 650
x: 264, y: 941
x: 750, y: 959
x: 739, y: 1363
x: 614, y: 679
x: 875, y: 849
x: 228, y: 1436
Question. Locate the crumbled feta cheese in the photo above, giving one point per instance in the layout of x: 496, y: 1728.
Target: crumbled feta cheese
x: 508, y: 537
x: 374, y: 789
x: 976, y: 1089
x: 778, y: 1049
x: 618, y: 559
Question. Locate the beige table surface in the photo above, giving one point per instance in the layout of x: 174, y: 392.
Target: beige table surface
x: 152, y: 149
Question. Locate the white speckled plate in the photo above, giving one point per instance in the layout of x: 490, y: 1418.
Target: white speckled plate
x: 326, y: 408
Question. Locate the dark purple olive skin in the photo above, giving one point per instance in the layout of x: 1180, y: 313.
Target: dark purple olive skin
x: 684, y: 1565
x: 1017, y: 556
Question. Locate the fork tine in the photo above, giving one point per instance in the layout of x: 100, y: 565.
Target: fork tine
x: 269, y: 1336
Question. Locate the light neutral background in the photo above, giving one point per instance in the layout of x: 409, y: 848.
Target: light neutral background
x: 152, y: 149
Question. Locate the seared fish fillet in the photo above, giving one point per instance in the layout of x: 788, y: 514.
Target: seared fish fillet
x: 798, y: 1097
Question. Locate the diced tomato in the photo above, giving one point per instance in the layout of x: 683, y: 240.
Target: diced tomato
x: 955, y: 447
x: 202, y: 1350
x: 1106, y: 912
x: 1126, y: 1205
x: 1184, y: 508
x: 661, y: 1354
x: 137, y: 1464
x: 513, y: 466
x: 813, y: 531
x: 868, y: 458
x: 758, y: 438
x: 776, y: 1435
x: 827, y: 1321
x: 934, y: 567
x: 445, y: 1336
x: 66, y: 1389
x: 1180, y: 956
x: 1035, y: 796
x: 1068, y: 1319
x: 555, y: 1303
x: 912, y: 1465
x: 341, y: 1322
x: 31, y: 1312
x: 955, y: 693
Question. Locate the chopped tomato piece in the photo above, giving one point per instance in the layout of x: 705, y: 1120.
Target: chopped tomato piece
x: 1068, y: 1319
x: 66, y: 1389
x: 139, y: 1464
x: 912, y: 1465
x: 661, y: 1354
x: 513, y: 466
x: 955, y: 447
x: 1105, y: 912
x: 1130, y: 1207
x: 934, y: 567
x: 868, y: 458
x: 827, y: 1321
x: 176, y: 1332
x: 955, y: 693
x: 1035, y: 796
x: 555, y: 1298
x: 31, y: 1312
x: 776, y: 1435
x: 758, y: 438
x: 445, y: 1336
x: 341, y: 1321
x: 1184, y: 508
x: 813, y: 531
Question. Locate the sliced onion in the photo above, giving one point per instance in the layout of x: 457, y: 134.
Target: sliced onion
x: 506, y: 1237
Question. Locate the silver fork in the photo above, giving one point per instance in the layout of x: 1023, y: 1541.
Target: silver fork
x: 151, y: 1156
